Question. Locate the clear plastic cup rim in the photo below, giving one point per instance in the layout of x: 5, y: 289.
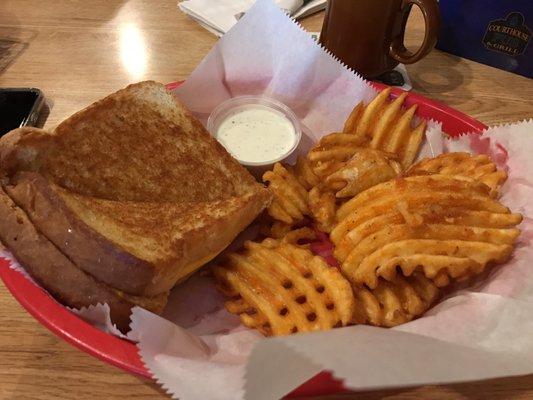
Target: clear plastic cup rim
x: 221, y: 112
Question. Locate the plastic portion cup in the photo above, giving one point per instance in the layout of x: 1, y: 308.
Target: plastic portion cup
x: 236, y: 104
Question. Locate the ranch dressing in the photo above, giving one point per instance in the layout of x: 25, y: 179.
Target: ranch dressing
x: 256, y: 134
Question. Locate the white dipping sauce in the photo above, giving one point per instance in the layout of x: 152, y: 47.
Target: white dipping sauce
x: 256, y: 134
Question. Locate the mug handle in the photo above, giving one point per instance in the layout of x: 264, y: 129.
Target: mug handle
x: 430, y: 11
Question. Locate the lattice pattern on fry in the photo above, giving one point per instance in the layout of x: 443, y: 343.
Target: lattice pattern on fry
x: 384, y: 125
x: 416, y: 249
x: 368, y: 222
x: 275, y: 229
x: 366, y: 168
x: 351, y: 123
x: 370, y: 114
x: 305, y: 174
x: 394, y: 303
x: 295, y: 236
x: 322, y: 205
x: 380, y: 125
x: 290, y: 196
x: 478, y: 167
x: 415, y: 185
x: 332, y: 151
x: 279, y: 289
x: 447, y: 227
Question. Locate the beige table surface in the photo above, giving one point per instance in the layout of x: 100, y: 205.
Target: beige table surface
x: 80, y: 50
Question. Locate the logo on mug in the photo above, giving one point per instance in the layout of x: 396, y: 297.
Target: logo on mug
x: 509, y: 36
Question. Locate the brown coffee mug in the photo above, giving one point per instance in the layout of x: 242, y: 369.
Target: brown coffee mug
x: 367, y: 35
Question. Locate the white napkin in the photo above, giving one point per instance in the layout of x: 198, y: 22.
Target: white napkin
x: 218, y: 16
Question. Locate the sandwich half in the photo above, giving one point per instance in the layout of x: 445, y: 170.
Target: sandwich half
x: 140, y: 248
x: 132, y: 192
x: 60, y: 276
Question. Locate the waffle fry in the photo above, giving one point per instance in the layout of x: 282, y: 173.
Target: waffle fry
x: 458, y: 250
x: 478, y: 167
x: 351, y: 123
x: 323, y: 208
x: 381, y: 125
x: 300, y: 234
x: 417, y: 185
x: 446, y: 226
x: 275, y: 229
x: 425, y: 213
x: 442, y: 200
x: 386, y: 121
x: 384, y: 125
x: 403, y: 140
x: 305, y: 174
x: 279, y: 289
x: 290, y: 196
x: 366, y: 168
x: 331, y: 152
x: 369, y: 116
x: 394, y: 303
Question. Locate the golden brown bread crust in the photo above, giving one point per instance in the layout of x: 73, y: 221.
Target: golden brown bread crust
x: 57, y: 274
x: 86, y: 248
x: 137, y: 144
x: 14, y: 157
x: 121, y: 255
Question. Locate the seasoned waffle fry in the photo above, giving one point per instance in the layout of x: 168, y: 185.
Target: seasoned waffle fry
x: 276, y: 229
x: 399, y: 231
x: 331, y: 152
x: 478, y: 167
x: 367, y: 122
x: 337, y: 146
x: 386, y: 122
x: 415, y: 200
x: 353, y: 119
x: 365, y: 169
x: 411, y: 145
x: 384, y: 125
x: 380, y: 125
x: 472, y: 258
x: 425, y: 213
x: 299, y: 234
x: 290, y: 197
x: 279, y: 289
x: 394, y: 303
x: 323, y: 208
x: 416, y: 185
x: 451, y: 222
x: 460, y: 251
x: 304, y: 173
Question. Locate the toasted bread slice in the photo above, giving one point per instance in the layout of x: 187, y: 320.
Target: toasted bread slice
x: 132, y: 189
x: 57, y: 274
x: 141, y: 248
x: 137, y: 144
